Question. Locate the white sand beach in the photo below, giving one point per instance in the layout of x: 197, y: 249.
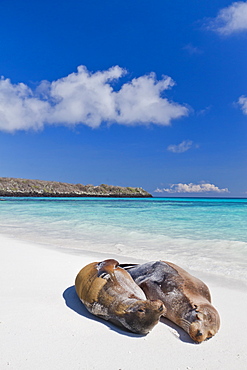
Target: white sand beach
x: 43, y: 325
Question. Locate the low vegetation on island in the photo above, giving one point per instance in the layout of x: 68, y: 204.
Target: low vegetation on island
x: 39, y: 188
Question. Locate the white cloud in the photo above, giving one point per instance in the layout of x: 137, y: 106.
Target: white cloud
x: 140, y: 101
x: 204, y: 111
x: 230, y: 19
x: 180, y: 148
x: 193, y: 50
x: 87, y: 98
x: 19, y: 108
x: 242, y: 101
x: 192, y: 188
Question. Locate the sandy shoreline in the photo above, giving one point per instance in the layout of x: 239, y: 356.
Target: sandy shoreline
x: 44, y: 326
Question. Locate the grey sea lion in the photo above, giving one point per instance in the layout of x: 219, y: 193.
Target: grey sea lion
x: 186, y: 298
x: 108, y: 291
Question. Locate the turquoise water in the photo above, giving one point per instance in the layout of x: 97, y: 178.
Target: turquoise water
x: 202, y: 234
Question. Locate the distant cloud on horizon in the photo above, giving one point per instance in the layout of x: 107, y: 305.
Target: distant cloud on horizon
x: 192, y: 188
x: 181, y: 148
x: 229, y: 20
x: 88, y: 98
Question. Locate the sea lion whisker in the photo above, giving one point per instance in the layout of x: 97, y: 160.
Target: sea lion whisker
x: 185, y: 324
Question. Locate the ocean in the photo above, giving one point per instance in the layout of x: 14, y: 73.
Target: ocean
x: 207, y: 235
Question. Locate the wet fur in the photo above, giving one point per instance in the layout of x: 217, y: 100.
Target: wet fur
x: 187, y: 299
x: 108, y: 291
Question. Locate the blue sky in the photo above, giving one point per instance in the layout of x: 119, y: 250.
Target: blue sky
x: 130, y: 93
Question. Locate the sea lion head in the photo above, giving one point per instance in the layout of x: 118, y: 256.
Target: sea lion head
x: 141, y: 316
x: 206, y: 323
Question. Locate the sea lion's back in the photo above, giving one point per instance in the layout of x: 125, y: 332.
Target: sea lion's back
x: 88, y: 284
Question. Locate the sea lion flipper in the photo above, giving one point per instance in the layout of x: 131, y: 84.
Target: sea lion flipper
x: 128, y: 266
x: 107, y: 267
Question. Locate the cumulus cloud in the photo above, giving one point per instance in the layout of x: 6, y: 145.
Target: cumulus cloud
x: 192, y: 188
x: 230, y: 20
x: 242, y: 101
x: 19, y: 108
x: 180, y: 148
x: 88, y: 98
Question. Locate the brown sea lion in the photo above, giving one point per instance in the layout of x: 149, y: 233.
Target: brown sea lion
x: 108, y: 291
x: 186, y: 298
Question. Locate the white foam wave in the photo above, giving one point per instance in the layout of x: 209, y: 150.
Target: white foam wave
x: 219, y: 257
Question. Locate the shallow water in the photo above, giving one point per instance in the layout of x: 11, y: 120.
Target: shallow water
x: 209, y: 235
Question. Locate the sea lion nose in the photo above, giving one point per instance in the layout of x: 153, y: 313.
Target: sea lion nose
x: 161, y: 308
x: 199, y: 333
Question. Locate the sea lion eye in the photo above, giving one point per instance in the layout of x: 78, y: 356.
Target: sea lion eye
x: 200, y: 316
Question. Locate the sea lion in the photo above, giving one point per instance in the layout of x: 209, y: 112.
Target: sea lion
x: 186, y: 298
x: 108, y: 291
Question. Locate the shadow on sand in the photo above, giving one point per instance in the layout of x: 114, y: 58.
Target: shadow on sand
x: 74, y: 303
x: 181, y: 334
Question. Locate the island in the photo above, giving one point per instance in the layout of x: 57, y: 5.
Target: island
x: 15, y: 187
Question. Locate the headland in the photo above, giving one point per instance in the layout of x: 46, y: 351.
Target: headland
x: 15, y: 187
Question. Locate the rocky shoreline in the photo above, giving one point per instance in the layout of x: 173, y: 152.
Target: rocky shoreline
x: 15, y: 187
